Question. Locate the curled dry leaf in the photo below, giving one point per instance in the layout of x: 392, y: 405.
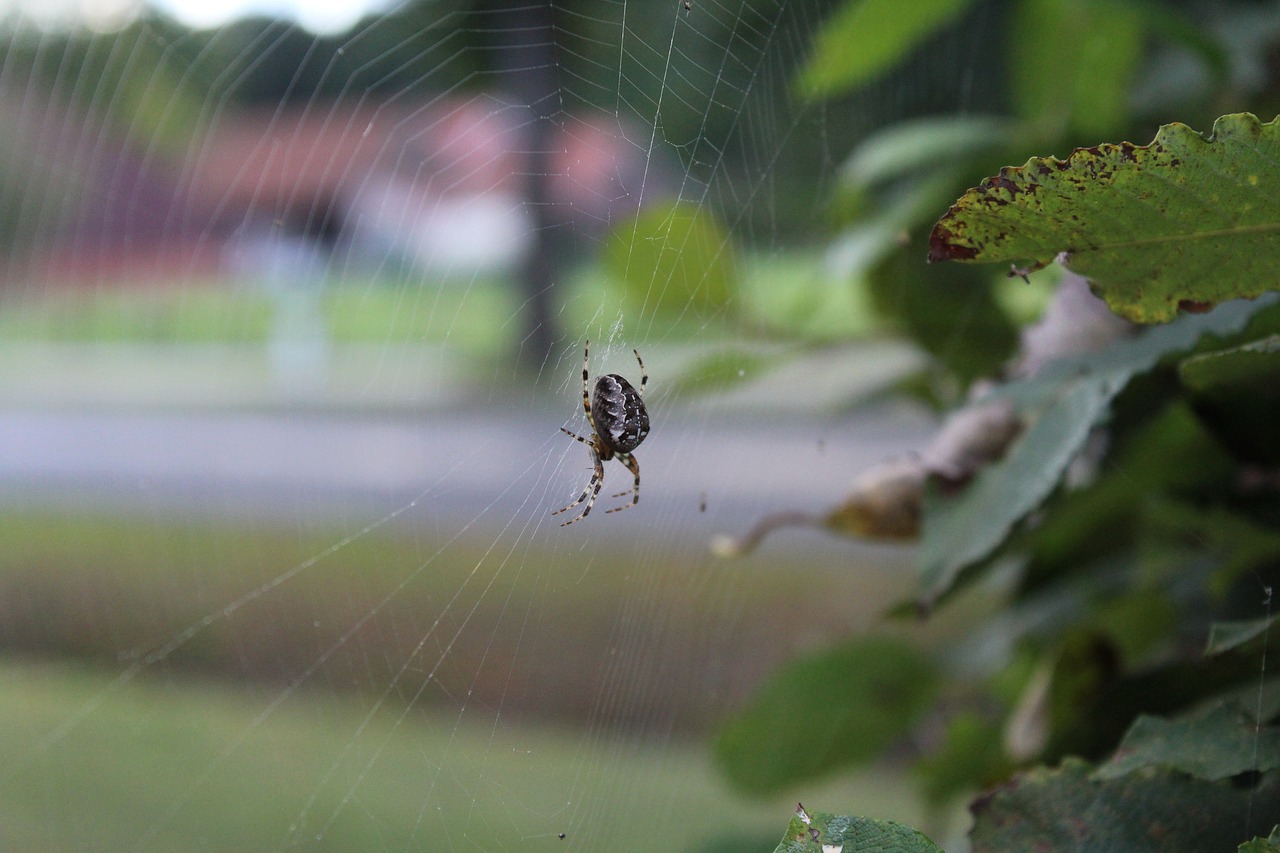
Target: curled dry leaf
x: 884, y: 502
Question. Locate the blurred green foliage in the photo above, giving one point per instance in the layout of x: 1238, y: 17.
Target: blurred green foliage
x: 846, y: 704
x: 860, y: 39
x: 373, y: 312
x: 1137, y: 514
x: 674, y: 260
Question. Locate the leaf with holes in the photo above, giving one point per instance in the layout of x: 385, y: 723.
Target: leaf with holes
x: 1186, y: 222
x: 819, y: 832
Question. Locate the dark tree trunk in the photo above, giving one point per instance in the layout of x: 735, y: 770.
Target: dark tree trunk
x: 529, y: 71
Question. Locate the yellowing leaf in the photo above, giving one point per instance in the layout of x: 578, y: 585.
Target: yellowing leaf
x: 1183, y: 223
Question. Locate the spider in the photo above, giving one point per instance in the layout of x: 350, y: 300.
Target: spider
x: 619, y: 422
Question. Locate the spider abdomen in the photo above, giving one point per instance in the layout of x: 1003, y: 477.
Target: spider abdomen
x: 621, y: 420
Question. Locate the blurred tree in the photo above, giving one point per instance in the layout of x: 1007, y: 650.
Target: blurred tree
x: 529, y: 69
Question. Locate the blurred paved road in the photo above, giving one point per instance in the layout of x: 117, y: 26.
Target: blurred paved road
x: 130, y: 447
x: 460, y: 466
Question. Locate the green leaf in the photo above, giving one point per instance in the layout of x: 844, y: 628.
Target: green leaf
x: 1104, y: 517
x: 1237, y: 393
x: 1260, y: 697
x: 722, y: 370
x: 1138, y: 622
x: 892, y: 187
x: 1067, y: 399
x: 1084, y: 671
x: 1096, y: 730
x: 1255, y: 366
x: 1074, y: 61
x: 1224, y: 636
x: 823, y: 712
x: 1180, y: 29
x: 675, y: 260
x: 960, y: 532
x: 820, y: 832
x: 963, y: 327
x: 1064, y: 810
x: 1270, y: 844
x: 1188, y: 221
x: 971, y: 756
x: 1239, y: 543
x: 903, y: 150
x: 1216, y: 744
x: 1130, y: 357
x: 865, y: 38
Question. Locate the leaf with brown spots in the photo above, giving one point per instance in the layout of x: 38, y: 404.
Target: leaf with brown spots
x: 1219, y: 742
x: 1065, y: 811
x: 1184, y: 223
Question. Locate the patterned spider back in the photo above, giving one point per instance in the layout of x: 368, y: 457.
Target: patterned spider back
x: 621, y: 420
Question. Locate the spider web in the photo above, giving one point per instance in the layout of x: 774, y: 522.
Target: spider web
x: 281, y: 432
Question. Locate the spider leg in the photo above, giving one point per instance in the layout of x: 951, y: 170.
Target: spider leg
x: 644, y: 374
x: 586, y: 385
x: 634, y: 491
x: 592, y: 489
x: 585, y: 441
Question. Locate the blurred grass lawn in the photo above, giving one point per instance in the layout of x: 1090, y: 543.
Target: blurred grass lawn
x: 182, y: 765
x: 527, y: 635
x: 283, y: 712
